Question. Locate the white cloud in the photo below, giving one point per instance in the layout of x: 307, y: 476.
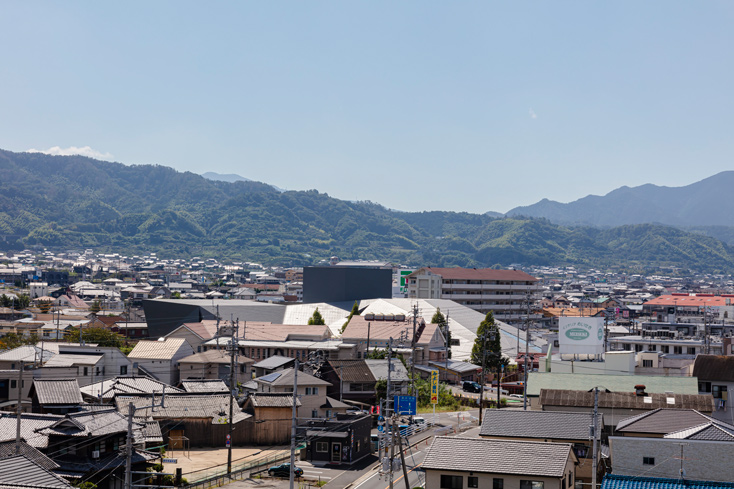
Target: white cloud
x: 533, y: 115
x: 73, y: 150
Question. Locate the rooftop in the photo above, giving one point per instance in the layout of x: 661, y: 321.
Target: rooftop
x: 664, y: 421
x: 613, y: 481
x: 616, y: 383
x: 498, y: 456
x: 625, y: 400
x: 557, y: 425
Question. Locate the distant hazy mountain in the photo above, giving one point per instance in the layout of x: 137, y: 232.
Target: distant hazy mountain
x: 709, y: 202
x: 74, y: 202
x: 231, y: 178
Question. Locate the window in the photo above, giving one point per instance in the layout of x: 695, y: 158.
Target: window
x: 315, y: 391
x: 691, y: 350
x: 570, y: 480
x: 638, y: 347
x: 531, y: 484
x: 314, y: 414
x: 677, y: 350
x: 704, y: 387
x: 498, y: 483
x: 123, y: 369
x: 13, y: 384
x: 451, y: 482
x: 328, y: 414
x: 472, y: 481
x: 665, y: 348
x: 716, y: 391
x: 308, y: 391
x: 648, y: 460
x: 647, y: 363
x: 322, y: 447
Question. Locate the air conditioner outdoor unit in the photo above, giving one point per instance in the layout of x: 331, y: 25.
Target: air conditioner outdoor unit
x: 95, y: 454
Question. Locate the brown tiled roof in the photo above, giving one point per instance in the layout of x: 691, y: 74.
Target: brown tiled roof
x: 360, y: 328
x: 481, y: 274
x: 572, y: 311
x: 252, y: 330
x: 352, y: 370
x: 205, y: 330
x: 625, y: 400
x: 664, y: 421
x: 714, y: 367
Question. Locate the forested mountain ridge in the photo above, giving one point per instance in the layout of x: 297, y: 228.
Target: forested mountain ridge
x: 67, y: 202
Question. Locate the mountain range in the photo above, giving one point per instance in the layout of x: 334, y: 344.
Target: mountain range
x: 74, y: 202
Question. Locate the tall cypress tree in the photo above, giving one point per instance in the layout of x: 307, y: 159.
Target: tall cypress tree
x: 488, y: 340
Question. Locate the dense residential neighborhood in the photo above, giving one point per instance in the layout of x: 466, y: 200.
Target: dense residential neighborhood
x: 113, y: 365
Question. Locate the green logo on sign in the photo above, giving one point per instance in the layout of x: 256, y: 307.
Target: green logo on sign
x: 577, y: 334
x: 599, y: 333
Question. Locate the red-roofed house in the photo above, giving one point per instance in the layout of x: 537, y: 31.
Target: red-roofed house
x: 482, y: 289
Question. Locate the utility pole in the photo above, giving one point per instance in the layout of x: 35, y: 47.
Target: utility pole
x: 232, y: 390
x: 388, y: 408
x: 129, y: 447
x: 293, y: 424
x: 594, y: 434
x: 485, y: 337
x: 18, y: 409
x: 412, y: 354
x: 527, y: 343
x: 446, y: 334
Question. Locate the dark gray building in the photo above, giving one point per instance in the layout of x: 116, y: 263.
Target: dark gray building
x: 346, y: 283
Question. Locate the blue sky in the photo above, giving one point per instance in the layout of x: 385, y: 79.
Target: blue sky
x: 466, y: 106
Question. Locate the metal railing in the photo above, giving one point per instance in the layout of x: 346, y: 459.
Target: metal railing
x: 217, y: 476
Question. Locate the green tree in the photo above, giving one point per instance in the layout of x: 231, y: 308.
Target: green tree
x: 353, y: 312
x: 44, y: 306
x: 100, y: 336
x: 14, y: 340
x: 488, y: 342
x: 316, y: 319
x: 443, y: 325
x: 376, y: 354
x: 95, y: 307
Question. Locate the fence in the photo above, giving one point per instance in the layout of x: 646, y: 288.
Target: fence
x: 217, y: 476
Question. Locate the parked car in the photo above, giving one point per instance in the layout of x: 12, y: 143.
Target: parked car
x: 419, y: 421
x: 469, y: 386
x: 284, y: 470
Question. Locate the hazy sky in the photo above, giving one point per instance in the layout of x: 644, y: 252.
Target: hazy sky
x: 467, y: 106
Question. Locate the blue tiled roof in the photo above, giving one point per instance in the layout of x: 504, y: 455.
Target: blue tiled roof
x: 612, y: 481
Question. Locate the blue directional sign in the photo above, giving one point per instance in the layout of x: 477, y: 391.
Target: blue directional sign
x: 405, y: 405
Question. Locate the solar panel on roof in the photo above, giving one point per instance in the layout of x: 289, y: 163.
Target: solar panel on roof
x: 271, y: 377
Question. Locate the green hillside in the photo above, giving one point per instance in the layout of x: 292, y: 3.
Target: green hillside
x: 68, y: 202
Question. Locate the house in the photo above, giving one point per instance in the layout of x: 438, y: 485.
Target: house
x: 453, y: 371
x: 55, y: 396
x: 160, y: 358
x: 105, y: 391
x: 341, y: 440
x: 311, y: 390
x: 373, y: 332
x: 715, y: 374
x: 88, y: 363
x: 616, y: 406
x: 272, y: 364
x: 616, y: 481
x: 672, y: 443
x: 190, y: 420
x: 548, y: 426
x: 196, y: 334
x: 355, y: 380
x: 456, y: 463
x: 501, y: 291
x: 272, y: 417
x: 214, y: 364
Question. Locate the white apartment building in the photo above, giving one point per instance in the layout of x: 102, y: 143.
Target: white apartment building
x: 505, y: 292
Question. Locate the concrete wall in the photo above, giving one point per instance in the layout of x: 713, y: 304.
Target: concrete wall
x: 433, y: 479
x: 615, y: 363
x: 701, y: 460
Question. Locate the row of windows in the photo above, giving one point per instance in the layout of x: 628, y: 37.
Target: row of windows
x: 457, y: 482
x: 677, y: 350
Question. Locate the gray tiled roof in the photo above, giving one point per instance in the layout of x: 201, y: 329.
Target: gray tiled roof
x: 89, y: 423
x: 664, y: 421
x: 127, y: 385
x: 379, y: 370
x: 498, y: 456
x: 556, y: 425
x: 352, y: 370
x: 261, y: 399
x: 24, y: 473
x: 181, y: 406
x: 30, y: 427
x: 204, y: 386
x: 57, y: 391
x: 7, y: 450
x: 705, y: 432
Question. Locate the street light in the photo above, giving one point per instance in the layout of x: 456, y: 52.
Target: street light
x: 593, y: 432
